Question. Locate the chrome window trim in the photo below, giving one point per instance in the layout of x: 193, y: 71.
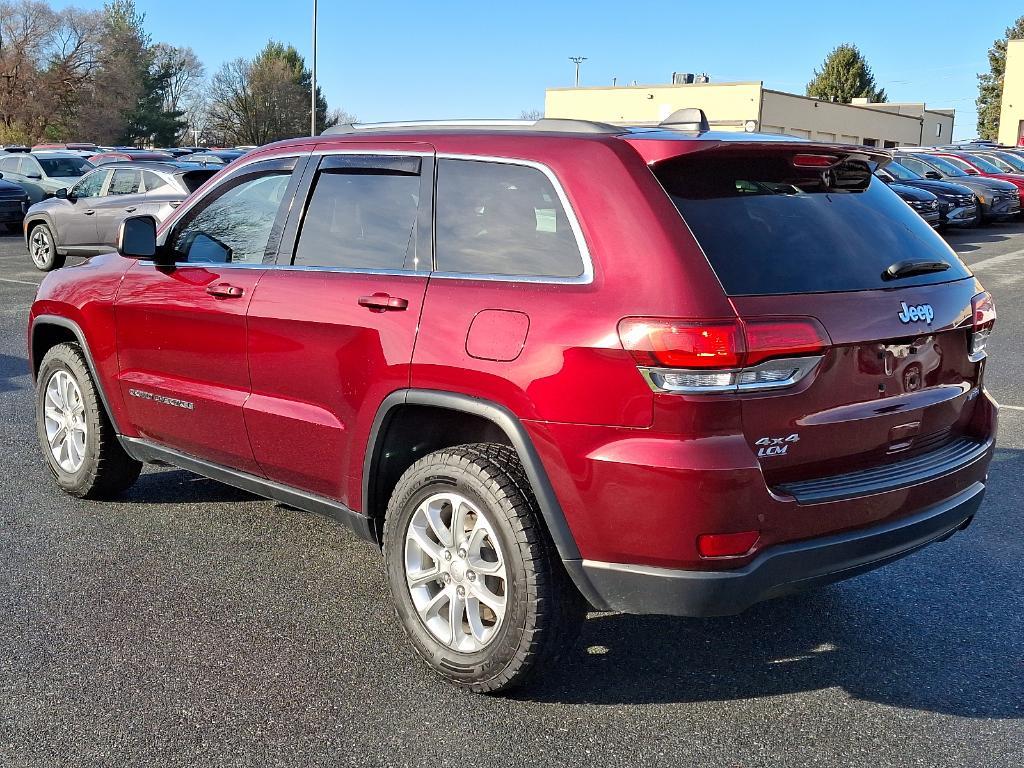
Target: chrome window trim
x: 585, y: 278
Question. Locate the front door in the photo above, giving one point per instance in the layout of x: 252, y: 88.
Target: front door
x: 181, y: 332
x: 331, y: 329
x: 75, y: 218
x: 122, y: 199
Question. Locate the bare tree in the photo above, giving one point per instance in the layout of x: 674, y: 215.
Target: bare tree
x: 531, y: 114
x: 185, y: 74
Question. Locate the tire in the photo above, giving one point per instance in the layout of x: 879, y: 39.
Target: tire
x: 542, y: 610
x: 88, y: 461
x: 42, y: 249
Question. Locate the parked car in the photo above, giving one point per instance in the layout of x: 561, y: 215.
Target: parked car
x: 924, y: 203
x: 665, y: 371
x: 13, y: 204
x: 177, y: 152
x: 136, y: 154
x: 213, y: 156
x: 84, y: 220
x: 957, y: 204
x: 82, y: 146
x: 998, y: 200
x: 973, y: 164
x: 41, y: 174
x: 1006, y: 161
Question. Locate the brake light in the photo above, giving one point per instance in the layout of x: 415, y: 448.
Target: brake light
x: 814, y: 161
x: 723, y: 355
x: 983, y: 320
x: 726, y: 544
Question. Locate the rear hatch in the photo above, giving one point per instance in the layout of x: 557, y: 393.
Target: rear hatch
x: 804, y: 231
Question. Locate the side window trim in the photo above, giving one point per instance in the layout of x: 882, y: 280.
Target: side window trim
x: 297, y: 163
x: 303, y: 196
x: 587, y: 275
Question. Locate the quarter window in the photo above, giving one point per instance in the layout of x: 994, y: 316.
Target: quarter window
x: 234, y: 224
x: 125, y: 182
x: 362, y: 214
x: 502, y: 219
x: 152, y: 181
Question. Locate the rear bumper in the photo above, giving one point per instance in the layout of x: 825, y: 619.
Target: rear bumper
x: 778, y: 570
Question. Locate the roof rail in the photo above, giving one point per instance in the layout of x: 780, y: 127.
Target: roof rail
x: 550, y: 124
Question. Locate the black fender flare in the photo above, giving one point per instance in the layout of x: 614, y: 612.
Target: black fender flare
x: 43, y: 217
x: 505, y: 420
x: 71, y: 325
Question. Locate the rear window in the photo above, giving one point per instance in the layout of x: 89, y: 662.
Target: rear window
x: 770, y: 228
x: 193, y: 180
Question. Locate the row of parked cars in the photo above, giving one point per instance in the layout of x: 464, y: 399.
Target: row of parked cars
x: 69, y: 199
x: 960, y: 185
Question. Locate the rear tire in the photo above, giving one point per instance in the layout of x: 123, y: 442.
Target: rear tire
x: 485, y: 630
x: 42, y: 249
x: 76, y: 437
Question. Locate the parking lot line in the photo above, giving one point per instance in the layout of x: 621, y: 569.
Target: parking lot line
x: 1012, y: 407
x: 996, y: 260
x: 20, y: 282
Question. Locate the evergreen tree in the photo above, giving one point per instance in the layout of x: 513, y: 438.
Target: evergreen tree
x: 990, y: 84
x: 844, y: 76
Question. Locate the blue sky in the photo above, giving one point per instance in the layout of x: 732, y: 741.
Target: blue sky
x: 419, y: 60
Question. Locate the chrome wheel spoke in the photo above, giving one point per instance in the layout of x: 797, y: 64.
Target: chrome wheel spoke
x: 420, y: 578
x: 64, y: 421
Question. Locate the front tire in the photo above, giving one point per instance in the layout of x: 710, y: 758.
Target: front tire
x: 476, y: 580
x: 76, y: 437
x: 42, y: 248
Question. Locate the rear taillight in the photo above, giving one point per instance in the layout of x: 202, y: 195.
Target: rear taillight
x: 736, y: 355
x: 814, y: 161
x: 983, y: 320
x: 726, y: 544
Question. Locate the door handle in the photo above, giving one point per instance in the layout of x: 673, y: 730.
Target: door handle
x: 90, y: 212
x: 131, y: 210
x: 383, y: 302
x: 224, y: 291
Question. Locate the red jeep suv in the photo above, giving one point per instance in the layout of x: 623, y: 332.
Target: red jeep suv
x: 542, y: 366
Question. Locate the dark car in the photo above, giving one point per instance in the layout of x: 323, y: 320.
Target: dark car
x: 213, y: 156
x: 1006, y: 160
x: 999, y: 200
x: 957, y: 205
x: 924, y: 203
x: 84, y: 219
x: 13, y: 204
x: 567, y: 364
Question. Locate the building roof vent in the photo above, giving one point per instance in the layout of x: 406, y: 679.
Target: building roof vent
x: 690, y: 119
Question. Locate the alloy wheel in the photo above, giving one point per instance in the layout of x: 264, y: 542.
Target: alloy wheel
x: 455, y: 572
x: 39, y: 247
x: 65, y: 422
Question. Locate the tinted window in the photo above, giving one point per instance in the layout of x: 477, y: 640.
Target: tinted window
x: 234, y: 226
x: 502, y: 219
x: 1016, y: 163
x: 942, y: 165
x: 770, y: 228
x: 9, y: 164
x: 956, y: 162
x: 152, y: 181
x: 124, y: 182
x: 361, y: 218
x: 193, y: 180
x: 90, y: 185
x: 64, y: 166
x: 900, y: 172
x: 989, y: 166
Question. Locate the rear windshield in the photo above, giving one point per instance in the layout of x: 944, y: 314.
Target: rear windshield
x: 193, y: 180
x: 770, y: 228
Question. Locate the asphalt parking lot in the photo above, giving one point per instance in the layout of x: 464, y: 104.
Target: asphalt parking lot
x: 193, y: 624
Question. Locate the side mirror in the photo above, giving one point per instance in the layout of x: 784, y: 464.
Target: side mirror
x: 136, y: 237
x: 933, y: 175
x: 63, y: 194
x: 33, y: 176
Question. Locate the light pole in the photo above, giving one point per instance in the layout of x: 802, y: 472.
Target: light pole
x: 577, y: 60
x: 312, y: 108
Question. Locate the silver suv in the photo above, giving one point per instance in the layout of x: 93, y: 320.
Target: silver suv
x: 84, y: 220
x: 41, y: 174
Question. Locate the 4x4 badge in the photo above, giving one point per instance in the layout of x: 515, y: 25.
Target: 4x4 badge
x: 916, y: 313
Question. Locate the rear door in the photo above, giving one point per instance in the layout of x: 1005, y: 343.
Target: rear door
x: 181, y: 329
x: 332, y: 325
x: 787, y: 240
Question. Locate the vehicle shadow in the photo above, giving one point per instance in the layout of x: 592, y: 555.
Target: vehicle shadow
x: 178, y: 486
x: 12, y: 368
x: 972, y: 238
x: 919, y: 634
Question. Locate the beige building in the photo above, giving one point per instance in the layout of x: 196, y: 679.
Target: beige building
x: 749, y: 106
x: 1011, y: 116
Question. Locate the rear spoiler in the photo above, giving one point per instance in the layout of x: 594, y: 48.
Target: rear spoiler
x: 657, y: 149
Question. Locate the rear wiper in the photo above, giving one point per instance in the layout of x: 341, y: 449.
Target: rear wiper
x: 912, y: 267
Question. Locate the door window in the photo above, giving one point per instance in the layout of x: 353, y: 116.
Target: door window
x: 234, y: 223
x: 91, y: 185
x: 125, y: 182
x: 362, y: 214
x: 502, y: 219
x: 9, y: 165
